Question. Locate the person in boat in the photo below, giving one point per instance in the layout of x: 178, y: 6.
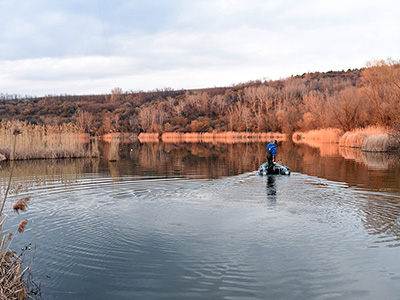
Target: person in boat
x: 271, y: 154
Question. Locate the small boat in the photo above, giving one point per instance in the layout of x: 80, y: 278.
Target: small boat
x: 276, y: 169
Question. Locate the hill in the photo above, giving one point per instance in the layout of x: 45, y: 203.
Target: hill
x: 307, y: 101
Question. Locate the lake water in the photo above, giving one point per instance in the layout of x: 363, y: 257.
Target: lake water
x: 197, y: 222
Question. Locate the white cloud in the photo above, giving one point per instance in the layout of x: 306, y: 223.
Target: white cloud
x: 73, y: 47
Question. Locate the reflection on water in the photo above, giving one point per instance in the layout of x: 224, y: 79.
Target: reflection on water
x: 372, y: 171
x: 194, y: 221
x: 374, y: 160
x: 40, y: 172
x: 271, y: 190
x: 378, y: 171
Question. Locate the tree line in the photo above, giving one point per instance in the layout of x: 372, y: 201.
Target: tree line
x: 341, y: 99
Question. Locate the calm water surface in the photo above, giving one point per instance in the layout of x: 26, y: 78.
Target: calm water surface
x: 197, y: 222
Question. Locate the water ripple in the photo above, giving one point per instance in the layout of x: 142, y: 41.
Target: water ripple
x: 240, y: 237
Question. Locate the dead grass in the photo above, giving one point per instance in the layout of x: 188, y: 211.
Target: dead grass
x: 37, y: 141
x: 371, y: 138
x: 12, y: 284
x: 376, y: 143
x: 326, y: 135
x: 12, y: 272
x: 326, y: 140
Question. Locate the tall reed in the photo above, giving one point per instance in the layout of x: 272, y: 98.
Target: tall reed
x: 95, y: 152
x: 326, y: 135
x: 39, y: 141
x: 326, y: 140
x: 372, y: 138
x: 114, y: 149
x: 12, y: 271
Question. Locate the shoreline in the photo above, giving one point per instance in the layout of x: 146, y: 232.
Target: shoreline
x: 68, y: 143
x: 227, y: 137
x: 369, y: 139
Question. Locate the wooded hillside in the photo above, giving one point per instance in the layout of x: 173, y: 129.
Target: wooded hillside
x: 342, y: 99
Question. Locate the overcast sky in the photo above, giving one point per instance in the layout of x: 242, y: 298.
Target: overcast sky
x: 90, y: 47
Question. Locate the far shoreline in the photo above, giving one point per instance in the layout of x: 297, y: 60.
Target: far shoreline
x: 38, y: 142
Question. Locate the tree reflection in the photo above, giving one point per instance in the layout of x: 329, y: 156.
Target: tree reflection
x: 371, y: 172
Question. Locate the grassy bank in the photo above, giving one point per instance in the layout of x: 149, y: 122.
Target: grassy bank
x: 38, y: 142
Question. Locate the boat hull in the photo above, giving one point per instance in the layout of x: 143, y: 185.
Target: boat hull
x: 277, y: 169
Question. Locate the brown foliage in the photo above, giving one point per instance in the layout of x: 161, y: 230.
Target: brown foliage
x: 347, y: 109
x: 382, y: 91
x: 343, y: 99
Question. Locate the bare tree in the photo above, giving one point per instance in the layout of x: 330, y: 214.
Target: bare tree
x: 347, y: 109
x: 381, y: 80
x: 116, y: 94
x: 84, y: 120
x: 315, y: 105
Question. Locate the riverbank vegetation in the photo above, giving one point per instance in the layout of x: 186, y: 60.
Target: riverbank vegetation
x: 44, y: 141
x: 14, y: 276
x: 343, y: 100
x: 371, y: 138
x: 368, y: 139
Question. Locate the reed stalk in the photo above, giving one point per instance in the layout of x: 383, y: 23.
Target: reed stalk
x: 372, y: 138
x: 114, y: 149
x: 14, y: 133
x: 39, y: 141
x: 12, y: 273
x: 95, y: 152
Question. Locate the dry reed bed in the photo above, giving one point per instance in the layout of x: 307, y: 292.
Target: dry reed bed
x: 326, y: 140
x: 369, y: 139
x: 37, y: 141
x: 326, y: 135
x: 228, y: 137
x: 12, y: 274
x: 373, y: 139
x: 14, y: 277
